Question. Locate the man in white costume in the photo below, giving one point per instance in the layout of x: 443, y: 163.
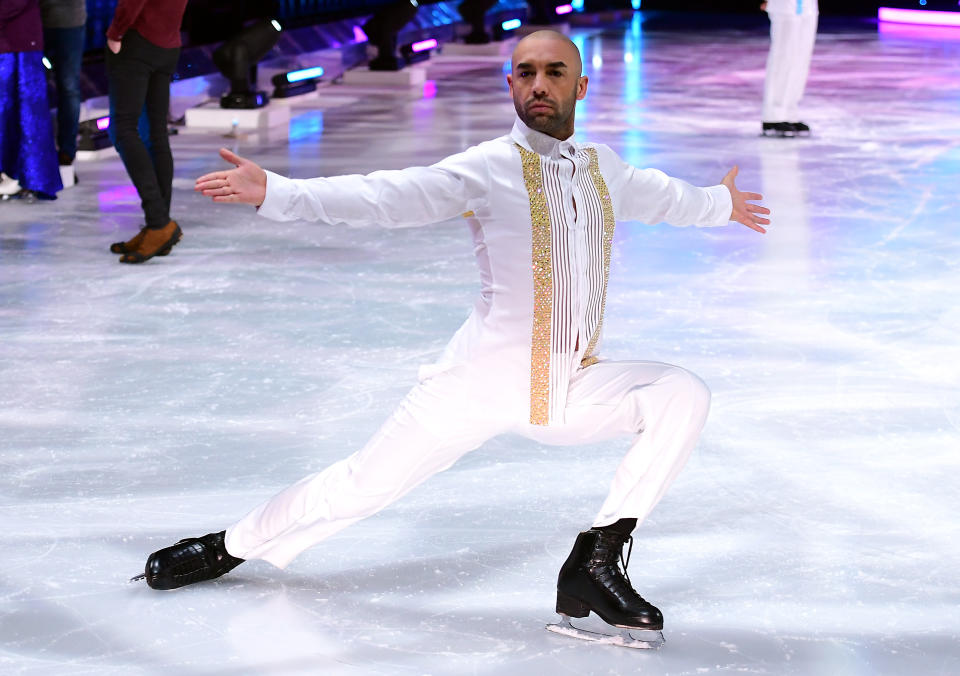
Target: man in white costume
x: 793, y: 31
x: 542, y: 209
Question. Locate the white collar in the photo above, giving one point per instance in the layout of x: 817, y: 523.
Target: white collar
x: 543, y: 144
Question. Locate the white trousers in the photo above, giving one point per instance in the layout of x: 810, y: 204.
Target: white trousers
x: 792, y: 37
x: 662, y: 407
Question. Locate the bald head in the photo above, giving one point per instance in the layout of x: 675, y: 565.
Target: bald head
x: 548, y: 40
x: 545, y: 82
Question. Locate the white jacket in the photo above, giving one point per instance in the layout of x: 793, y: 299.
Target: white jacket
x: 542, y: 214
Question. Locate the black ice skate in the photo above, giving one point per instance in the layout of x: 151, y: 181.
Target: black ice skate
x: 800, y: 128
x: 190, y: 560
x: 591, y: 580
x: 781, y: 129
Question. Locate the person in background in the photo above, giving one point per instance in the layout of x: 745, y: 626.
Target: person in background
x: 143, y: 46
x: 63, y: 38
x: 28, y: 158
x: 793, y: 31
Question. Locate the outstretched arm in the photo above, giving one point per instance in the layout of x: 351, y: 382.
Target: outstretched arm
x: 743, y: 211
x: 650, y: 196
x: 246, y: 183
x: 388, y: 198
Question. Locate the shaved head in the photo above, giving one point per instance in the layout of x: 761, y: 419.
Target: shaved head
x: 545, y: 82
x: 534, y: 41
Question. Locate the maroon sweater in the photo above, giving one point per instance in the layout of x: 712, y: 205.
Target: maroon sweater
x: 20, y: 28
x: 156, y: 20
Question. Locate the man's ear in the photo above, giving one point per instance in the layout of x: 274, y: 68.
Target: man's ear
x: 582, y: 87
x: 510, y: 83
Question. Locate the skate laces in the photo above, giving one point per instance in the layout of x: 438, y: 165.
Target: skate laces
x: 615, y: 543
x: 626, y: 576
x: 627, y: 562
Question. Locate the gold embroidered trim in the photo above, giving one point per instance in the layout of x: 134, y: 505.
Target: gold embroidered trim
x: 468, y: 214
x: 609, y: 224
x: 542, y: 265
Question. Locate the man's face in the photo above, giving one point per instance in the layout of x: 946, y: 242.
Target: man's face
x: 545, y: 83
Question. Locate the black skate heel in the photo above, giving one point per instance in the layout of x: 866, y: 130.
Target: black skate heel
x: 571, y: 607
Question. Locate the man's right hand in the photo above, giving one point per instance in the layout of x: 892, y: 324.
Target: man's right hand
x: 246, y: 184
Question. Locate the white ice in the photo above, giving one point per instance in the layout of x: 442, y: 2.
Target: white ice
x: 814, y: 530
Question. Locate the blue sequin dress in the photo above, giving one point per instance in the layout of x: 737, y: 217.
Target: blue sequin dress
x: 27, y: 149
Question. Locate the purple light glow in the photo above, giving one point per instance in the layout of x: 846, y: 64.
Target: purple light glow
x: 918, y: 32
x: 359, y: 35
x: 919, y: 16
x: 564, y: 9
x: 424, y: 45
x: 103, y: 123
x: 117, y: 200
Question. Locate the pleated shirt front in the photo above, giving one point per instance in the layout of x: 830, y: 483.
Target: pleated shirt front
x: 542, y: 214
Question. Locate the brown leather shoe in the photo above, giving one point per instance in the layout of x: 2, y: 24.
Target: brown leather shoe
x: 131, y: 244
x: 154, y: 241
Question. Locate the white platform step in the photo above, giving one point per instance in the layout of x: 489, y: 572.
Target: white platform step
x: 411, y: 76
x: 210, y: 116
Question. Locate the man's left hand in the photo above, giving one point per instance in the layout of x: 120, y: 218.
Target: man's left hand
x: 743, y: 211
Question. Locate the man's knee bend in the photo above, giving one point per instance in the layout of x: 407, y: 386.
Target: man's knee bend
x: 692, y: 389
x: 699, y: 395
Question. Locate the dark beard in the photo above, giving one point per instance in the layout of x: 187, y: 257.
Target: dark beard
x: 555, y: 125
x: 551, y: 125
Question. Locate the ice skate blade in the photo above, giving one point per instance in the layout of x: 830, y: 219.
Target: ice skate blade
x: 137, y: 578
x: 625, y: 639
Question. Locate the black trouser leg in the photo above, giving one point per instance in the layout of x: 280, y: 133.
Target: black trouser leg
x: 157, y: 106
x: 140, y: 80
x: 64, y: 47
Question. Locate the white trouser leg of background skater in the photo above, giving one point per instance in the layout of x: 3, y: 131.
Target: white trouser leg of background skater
x: 792, y: 38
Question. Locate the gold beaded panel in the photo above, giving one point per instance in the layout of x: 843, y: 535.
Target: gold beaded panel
x: 542, y: 289
x: 609, y: 224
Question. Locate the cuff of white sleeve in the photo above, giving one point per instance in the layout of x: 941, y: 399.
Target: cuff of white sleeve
x: 723, y: 206
x: 277, y: 197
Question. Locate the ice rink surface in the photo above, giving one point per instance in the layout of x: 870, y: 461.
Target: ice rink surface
x: 813, y: 531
